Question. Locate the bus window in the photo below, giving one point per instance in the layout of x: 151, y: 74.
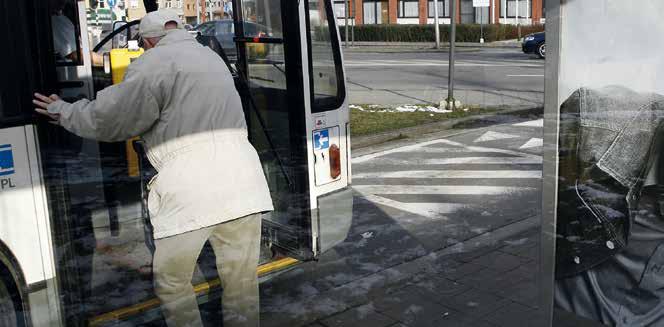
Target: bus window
x: 326, y: 63
x: 262, y: 16
x: 65, y: 27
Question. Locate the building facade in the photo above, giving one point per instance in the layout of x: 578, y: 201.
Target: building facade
x: 525, y: 12
x: 205, y: 10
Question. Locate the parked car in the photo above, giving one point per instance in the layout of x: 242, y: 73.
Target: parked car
x: 534, y: 43
x: 224, y: 31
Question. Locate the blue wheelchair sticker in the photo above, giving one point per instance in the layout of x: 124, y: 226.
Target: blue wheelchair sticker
x: 6, y: 160
x: 321, y: 139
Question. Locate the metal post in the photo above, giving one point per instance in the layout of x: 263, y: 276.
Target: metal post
x: 198, y: 12
x: 346, y: 22
x: 450, y: 82
x: 482, y: 25
x: 518, y: 26
x: 352, y: 32
x: 435, y: 22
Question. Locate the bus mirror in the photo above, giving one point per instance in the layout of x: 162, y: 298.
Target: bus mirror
x: 107, y: 63
x: 119, y: 40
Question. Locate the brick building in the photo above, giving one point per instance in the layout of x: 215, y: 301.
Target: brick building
x: 422, y: 12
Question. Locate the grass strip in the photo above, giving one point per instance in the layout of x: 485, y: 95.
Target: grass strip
x: 375, y: 121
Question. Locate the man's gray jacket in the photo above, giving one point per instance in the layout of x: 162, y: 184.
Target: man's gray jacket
x: 180, y: 98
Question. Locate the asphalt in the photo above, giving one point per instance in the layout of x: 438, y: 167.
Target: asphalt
x: 487, y: 77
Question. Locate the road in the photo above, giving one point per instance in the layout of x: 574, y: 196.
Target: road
x: 427, y: 214
x: 486, y: 77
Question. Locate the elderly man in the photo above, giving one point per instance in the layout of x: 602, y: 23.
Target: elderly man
x: 180, y: 98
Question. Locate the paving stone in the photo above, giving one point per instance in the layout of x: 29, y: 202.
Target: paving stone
x: 474, y: 302
x: 500, y: 261
x: 457, y: 319
x: 364, y: 316
x: 437, y: 288
x: 315, y: 325
x: 524, y: 292
x: 411, y: 308
x: 475, y: 253
x: 531, y: 252
x: 499, y: 283
x: 515, y: 314
x: 462, y: 271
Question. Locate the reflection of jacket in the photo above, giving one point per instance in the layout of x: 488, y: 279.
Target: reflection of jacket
x: 607, y: 137
x: 180, y: 98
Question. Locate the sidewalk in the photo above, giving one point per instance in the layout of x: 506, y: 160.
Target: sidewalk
x: 488, y: 280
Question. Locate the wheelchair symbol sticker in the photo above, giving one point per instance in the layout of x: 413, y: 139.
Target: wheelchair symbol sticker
x: 321, y: 139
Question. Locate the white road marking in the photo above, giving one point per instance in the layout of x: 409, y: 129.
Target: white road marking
x: 376, y: 193
x: 483, y: 160
x: 533, y: 143
x: 429, y: 210
x: 532, y: 123
x: 462, y: 161
x: 417, y: 147
x: 493, y: 136
x: 502, y: 174
x: 439, y: 189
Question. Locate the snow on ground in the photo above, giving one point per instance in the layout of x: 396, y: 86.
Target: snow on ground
x: 403, y: 108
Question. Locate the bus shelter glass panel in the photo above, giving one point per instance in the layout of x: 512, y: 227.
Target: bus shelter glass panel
x: 609, y: 238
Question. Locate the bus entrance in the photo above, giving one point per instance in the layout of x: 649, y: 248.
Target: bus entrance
x: 74, y: 242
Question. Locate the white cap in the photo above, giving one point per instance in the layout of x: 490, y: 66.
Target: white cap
x: 153, y: 24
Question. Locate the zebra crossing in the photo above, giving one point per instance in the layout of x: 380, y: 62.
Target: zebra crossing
x: 482, y: 173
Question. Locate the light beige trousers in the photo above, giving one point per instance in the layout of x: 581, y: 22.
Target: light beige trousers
x: 236, y: 245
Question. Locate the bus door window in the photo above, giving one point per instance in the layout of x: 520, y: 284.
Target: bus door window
x: 326, y: 73
x: 266, y: 74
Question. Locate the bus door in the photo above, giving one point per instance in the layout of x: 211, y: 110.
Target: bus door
x: 290, y: 60
x: 102, y: 262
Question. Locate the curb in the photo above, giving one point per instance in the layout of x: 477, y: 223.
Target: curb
x: 448, y: 127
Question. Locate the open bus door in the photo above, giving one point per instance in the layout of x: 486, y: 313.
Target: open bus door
x: 290, y: 66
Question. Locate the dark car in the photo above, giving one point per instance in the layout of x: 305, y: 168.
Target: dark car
x: 224, y: 31
x: 534, y: 43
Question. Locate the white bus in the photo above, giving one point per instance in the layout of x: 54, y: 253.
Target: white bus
x: 73, y: 244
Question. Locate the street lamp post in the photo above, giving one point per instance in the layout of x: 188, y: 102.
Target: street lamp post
x: 451, y: 103
x: 198, y: 12
x: 518, y: 26
x: 346, y: 22
x: 436, y: 23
